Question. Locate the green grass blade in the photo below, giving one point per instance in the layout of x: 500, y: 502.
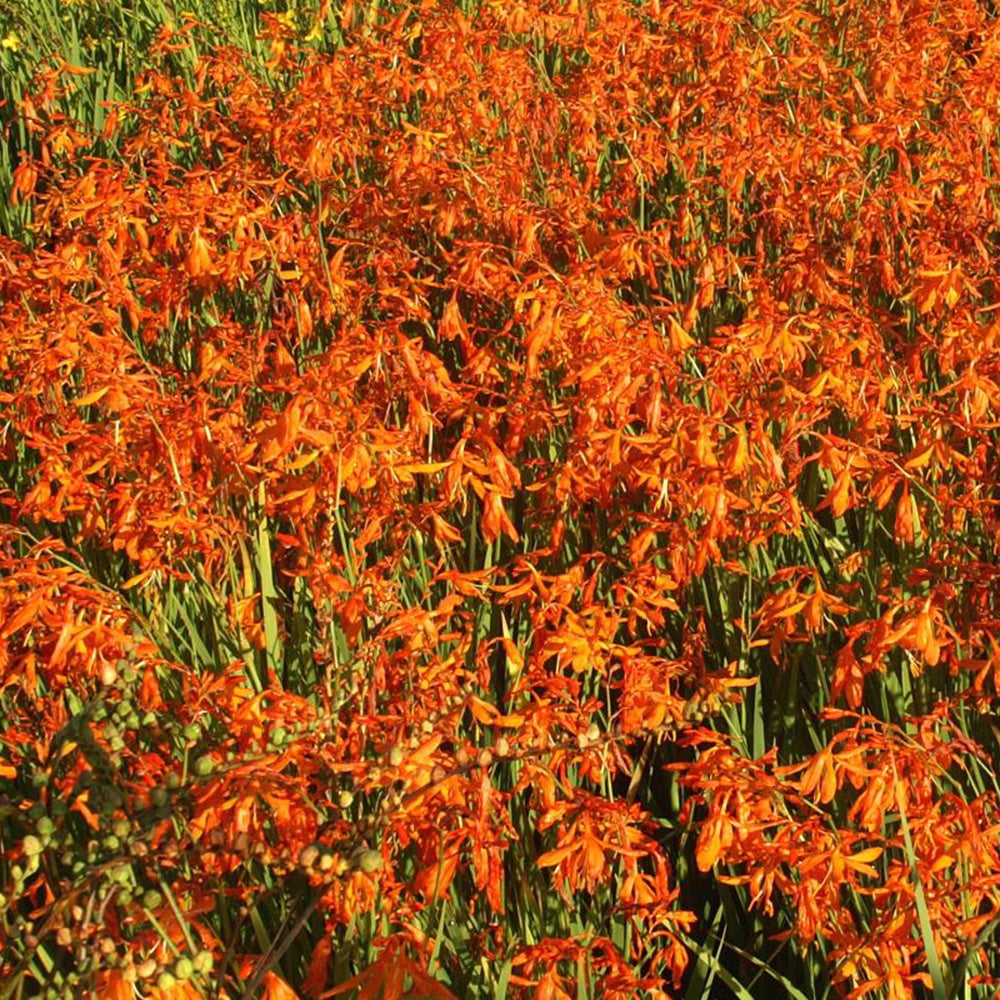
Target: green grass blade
x: 923, y: 915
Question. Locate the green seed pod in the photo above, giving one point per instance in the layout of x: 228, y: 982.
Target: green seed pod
x: 159, y: 797
x: 370, y: 861
x: 122, y: 875
x: 184, y: 968
x: 203, y: 766
x: 32, y: 846
x: 192, y: 732
x: 152, y: 899
x: 45, y: 827
x: 203, y: 962
x: 111, y: 842
x: 173, y: 780
x: 121, y: 828
x: 345, y: 799
x: 165, y: 981
x: 279, y: 735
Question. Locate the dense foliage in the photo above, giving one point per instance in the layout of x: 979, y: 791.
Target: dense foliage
x: 499, y: 499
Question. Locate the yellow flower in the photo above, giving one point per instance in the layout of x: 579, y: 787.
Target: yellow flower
x: 10, y: 41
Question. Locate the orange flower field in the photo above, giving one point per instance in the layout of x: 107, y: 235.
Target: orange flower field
x: 500, y: 499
